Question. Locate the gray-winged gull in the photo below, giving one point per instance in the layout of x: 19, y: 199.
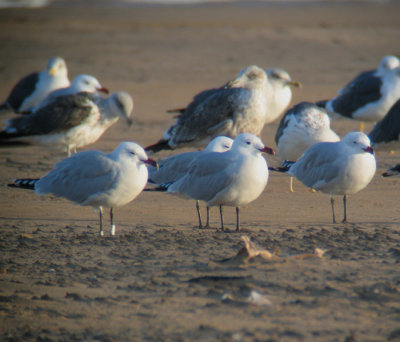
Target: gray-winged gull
x: 96, y: 179
x: 232, y: 178
x: 369, y: 97
x: 35, y: 87
x: 69, y: 122
x: 230, y: 111
x: 81, y: 83
x: 174, y: 167
x: 302, y: 126
x: 337, y: 168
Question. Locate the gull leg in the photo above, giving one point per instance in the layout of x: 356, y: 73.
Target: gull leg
x: 333, y: 209
x: 69, y: 150
x: 237, y: 219
x: 344, y: 209
x: 208, y: 218
x: 101, y: 233
x: 113, y: 228
x: 362, y: 126
x: 198, y: 213
x: 291, y: 184
x: 222, y: 218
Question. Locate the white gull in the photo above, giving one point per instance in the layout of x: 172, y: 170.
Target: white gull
x: 96, y: 179
x: 232, y: 178
x: 337, y: 168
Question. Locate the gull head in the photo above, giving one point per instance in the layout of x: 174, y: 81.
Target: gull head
x: 250, y: 77
x: 388, y: 63
x: 250, y: 142
x: 281, y: 77
x: 358, y: 141
x: 88, y: 84
x: 219, y: 144
x: 133, y: 152
x: 121, y: 104
x: 56, y: 66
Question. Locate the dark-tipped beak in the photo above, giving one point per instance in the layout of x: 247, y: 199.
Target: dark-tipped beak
x: 369, y: 149
x: 267, y: 150
x: 103, y: 90
x: 151, y: 162
x: 296, y: 84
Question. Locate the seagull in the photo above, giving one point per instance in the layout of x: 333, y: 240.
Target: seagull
x: 232, y: 178
x: 96, y: 179
x: 241, y: 107
x: 337, y: 168
x: 301, y: 127
x: 69, y: 122
x: 388, y: 129
x: 393, y: 171
x: 81, y: 83
x: 281, y: 84
x: 35, y: 87
x: 172, y: 168
x: 369, y: 97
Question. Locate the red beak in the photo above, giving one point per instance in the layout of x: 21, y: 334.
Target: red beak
x: 151, y: 162
x: 369, y: 149
x: 103, y: 90
x: 267, y: 150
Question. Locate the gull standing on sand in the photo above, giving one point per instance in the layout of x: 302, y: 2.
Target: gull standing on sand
x: 69, y: 122
x: 96, y: 179
x: 35, y: 87
x: 172, y: 168
x: 230, y: 111
x: 301, y: 127
x: 337, y: 168
x: 81, y: 83
x: 370, y: 96
x: 232, y: 178
x: 387, y: 131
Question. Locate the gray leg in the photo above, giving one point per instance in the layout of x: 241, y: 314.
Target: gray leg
x: 222, y: 217
x: 198, y: 213
x: 208, y: 218
x: 333, y: 209
x: 112, y: 229
x: 101, y: 233
x: 344, y: 209
x: 237, y: 219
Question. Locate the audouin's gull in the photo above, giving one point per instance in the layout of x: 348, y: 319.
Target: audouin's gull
x: 301, y: 127
x: 232, y: 178
x: 33, y: 88
x: 172, y: 168
x: 81, y: 83
x: 337, y: 168
x: 369, y: 97
x: 229, y: 111
x: 69, y: 122
x: 387, y: 131
x: 96, y: 179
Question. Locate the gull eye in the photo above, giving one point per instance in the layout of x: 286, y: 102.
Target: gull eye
x: 248, y: 142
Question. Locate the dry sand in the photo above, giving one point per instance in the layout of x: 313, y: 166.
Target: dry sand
x: 160, y: 278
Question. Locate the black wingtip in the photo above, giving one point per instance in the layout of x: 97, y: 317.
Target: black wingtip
x: 158, y: 146
x: 321, y: 103
x: 160, y: 188
x: 284, y: 168
x: 25, y: 183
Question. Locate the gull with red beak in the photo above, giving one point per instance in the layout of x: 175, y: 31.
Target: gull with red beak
x: 337, y: 168
x: 232, y: 178
x: 96, y: 179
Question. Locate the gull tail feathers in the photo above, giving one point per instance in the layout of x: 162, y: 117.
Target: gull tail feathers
x: 158, y: 146
x: 24, y: 183
x: 286, y: 165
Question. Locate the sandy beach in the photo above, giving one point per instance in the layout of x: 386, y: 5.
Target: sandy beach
x: 161, y: 278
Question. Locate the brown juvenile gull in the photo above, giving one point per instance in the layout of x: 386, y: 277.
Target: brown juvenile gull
x: 69, y: 122
x: 96, y: 179
x: 242, y: 107
x: 232, y: 178
x: 301, y: 127
x: 35, y: 87
x: 172, y: 168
